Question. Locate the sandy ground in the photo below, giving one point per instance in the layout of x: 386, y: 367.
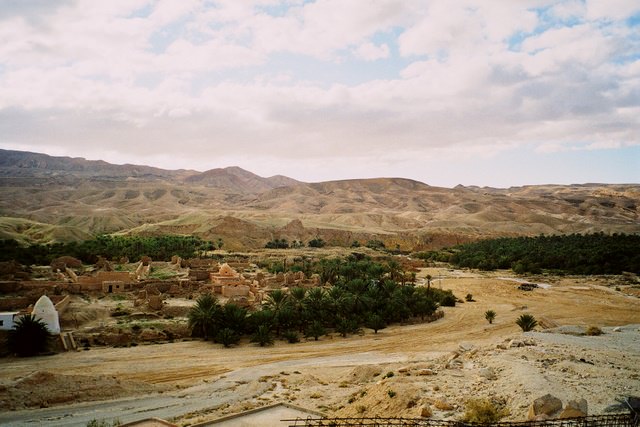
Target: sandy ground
x: 437, y: 365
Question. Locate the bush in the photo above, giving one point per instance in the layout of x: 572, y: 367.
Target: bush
x: 391, y: 393
x: 29, y: 336
x: 292, y: 337
x: 594, y: 331
x: 483, y: 411
x: 527, y: 322
x: 317, y: 243
x: 262, y: 336
x: 376, y: 322
x: 227, y: 337
x: 315, y: 330
x: 469, y: 298
x: 490, y: 315
x: 448, y: 300
x: 103, y: 423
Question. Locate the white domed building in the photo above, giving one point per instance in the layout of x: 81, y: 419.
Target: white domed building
x: 46, y: 311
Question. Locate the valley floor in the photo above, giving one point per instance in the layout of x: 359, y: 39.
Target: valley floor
x: 436, y: 366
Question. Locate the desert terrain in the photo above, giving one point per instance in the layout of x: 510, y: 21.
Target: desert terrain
x: 49, y: 199
x: 403, y: 370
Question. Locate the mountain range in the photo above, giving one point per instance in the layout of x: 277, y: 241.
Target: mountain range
x: 49, y: 199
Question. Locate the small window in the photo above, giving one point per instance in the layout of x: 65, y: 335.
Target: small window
x: 1, y: 322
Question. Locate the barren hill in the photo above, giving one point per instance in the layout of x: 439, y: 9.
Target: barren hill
x: 47, y: 198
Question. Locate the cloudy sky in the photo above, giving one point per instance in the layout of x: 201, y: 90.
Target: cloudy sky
x: 484, y: 92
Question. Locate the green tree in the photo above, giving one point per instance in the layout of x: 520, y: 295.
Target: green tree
x: 318, y: 242
x: 228, y: 337
x: 204, y: 317
x: 29, y: 336
x: 526, y: 322
x: 376, y: 322
x: 278, y: 302
x: 262, y: 336
x: 233, y: 317
x: 490, y: 315
x: 315, y: 330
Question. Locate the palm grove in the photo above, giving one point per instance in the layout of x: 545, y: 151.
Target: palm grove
x: 364, y: 293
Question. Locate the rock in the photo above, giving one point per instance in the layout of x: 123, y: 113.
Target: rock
x: 617, y: 329
x: 174, y: 290
x: 425, y: 411
x: 455, y: 364
x: 404, y: 369
x: 515, y: 343
x: 442, y: 405
x: 546, y: 405
x: 465, y: 346
x: 575, y: 409
x: 155, y: 302
x: 529, y: 342
x: 487, y: 373
x: 426, y: 371
x: 151, y: 335
x: 152, y: 290
x: 501, y: 346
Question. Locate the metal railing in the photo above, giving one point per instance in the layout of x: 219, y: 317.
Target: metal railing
x: 608, y: 420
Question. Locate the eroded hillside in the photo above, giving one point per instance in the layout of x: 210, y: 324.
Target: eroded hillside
x: 48, y: 198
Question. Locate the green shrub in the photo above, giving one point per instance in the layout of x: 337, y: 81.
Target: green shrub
x: 527, y: 322
x: 227, y: 337
x: 262, y: 336
x: 315, y: 330
x: 292, y: 337
x: 490, y: 315
x: 483, y: 411
x: 391, y: 393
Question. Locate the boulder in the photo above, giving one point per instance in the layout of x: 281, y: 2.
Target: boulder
x: 465, y: 346
x: 487, y: 373
x: 151, y: 335
x: 155, y: 302
x: 426, y: 371
x: 575, y: 409
x: 544, y: 407
x: 425, y: 411
x: 175, y: 290
x: 515, y: 343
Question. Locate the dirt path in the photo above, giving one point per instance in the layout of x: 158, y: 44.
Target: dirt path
x: 213, y: 380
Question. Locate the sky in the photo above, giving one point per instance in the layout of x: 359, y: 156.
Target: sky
x: 488, y: 92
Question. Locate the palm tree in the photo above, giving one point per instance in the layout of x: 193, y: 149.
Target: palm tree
x: 234, y: 317
x: 227, y: 337
x: 204, y: 317
x: 297, y: 296
x: 490, y: 315
x: 315, y: 304
x: 527, y: 322
x: 376, y: 322
x: 315, y: 330
x: 277, y: 301
x: 262, y: 336
x: 29, y: 336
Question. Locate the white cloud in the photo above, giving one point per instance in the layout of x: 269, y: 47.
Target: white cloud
x: 209, y: 80
x: 371, y: 52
